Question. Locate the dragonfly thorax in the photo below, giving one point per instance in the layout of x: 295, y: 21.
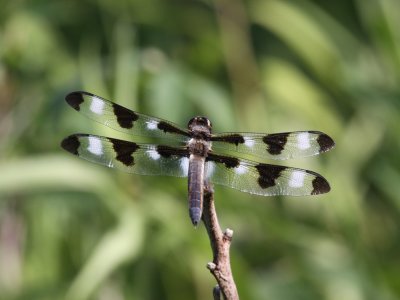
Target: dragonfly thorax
x: 199, y: 147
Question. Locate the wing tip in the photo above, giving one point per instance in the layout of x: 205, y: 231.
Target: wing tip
x: 75, y: 99
x: 71, y: 144
x: 320, y: 186
x: 325, y: 142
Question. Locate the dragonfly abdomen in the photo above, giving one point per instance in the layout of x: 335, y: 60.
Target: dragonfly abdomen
x: 195, y: 187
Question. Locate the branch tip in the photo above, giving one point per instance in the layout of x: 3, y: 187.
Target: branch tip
x: 228, y: 233
x: 211, y: 266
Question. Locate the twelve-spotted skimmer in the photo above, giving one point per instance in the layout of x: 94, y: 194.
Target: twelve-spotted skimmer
x: 196, y: 158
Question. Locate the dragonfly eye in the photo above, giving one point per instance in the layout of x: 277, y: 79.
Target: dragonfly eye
x: 200, y: 121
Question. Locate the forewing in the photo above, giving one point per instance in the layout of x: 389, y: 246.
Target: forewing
x: 122, y: 119
x: 143, y: 159
x: 263, y: 179
x: 281, y: 146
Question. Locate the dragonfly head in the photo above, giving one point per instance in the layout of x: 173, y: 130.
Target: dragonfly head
x: 200, y: 122
x: 200, y: 125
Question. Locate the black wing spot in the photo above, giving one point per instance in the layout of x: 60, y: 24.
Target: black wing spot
x: 276, y: 142
x: 325, y: 142
x: 231, y: 139
x: 320, y: 186
x: 75, y: 99
x: 125, y: 117
x: 228, y: 161
x: 71, y: 144
x: 268, y: 174
x: 168, y: 128
x: 124, y: 151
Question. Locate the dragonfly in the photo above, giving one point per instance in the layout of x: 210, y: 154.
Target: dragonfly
x: 197, y: 153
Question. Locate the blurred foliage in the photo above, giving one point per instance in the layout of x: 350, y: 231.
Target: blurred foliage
x: 73, y: 230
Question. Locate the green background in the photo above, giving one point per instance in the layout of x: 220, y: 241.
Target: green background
x: 70, y: 229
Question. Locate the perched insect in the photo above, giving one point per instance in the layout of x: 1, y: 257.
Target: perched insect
x: 198, y: 157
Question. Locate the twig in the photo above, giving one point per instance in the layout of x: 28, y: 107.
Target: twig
x: 220, y: 244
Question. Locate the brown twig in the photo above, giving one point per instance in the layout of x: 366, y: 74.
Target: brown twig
x: 220, y: 244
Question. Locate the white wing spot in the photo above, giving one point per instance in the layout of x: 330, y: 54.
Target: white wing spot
x: 185, y: 165
x: 249, y: 143
x: 95, y: 147
x: 240, y: 170
x: 297, y: 179
x: 303, y: 141
x: 153, y: 154
x: 97, y: 105
x: 152, y: 125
